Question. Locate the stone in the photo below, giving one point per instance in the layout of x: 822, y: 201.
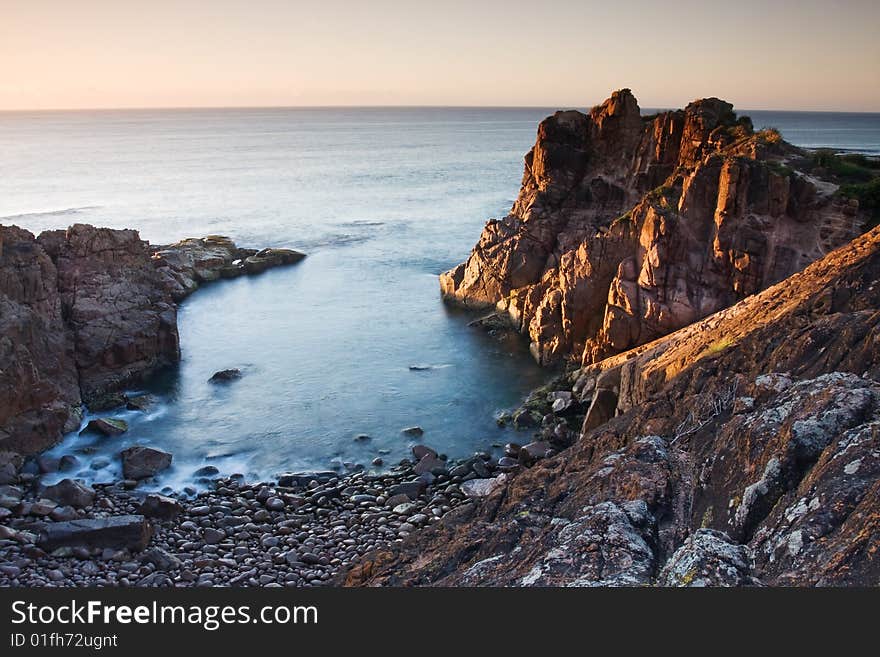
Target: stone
x: 430, y: 464
x: 412, y: 431
x: 534, y: 451
x: 483, y: 487
x: 67, y: 463
x: 225, y: 376
x: 69, y: 492
x: 139, y: 403
x: 302, y: 479
x: 108, y: 426
x: 8, y: 474
x: 275, y: 504
x: 141, y: 462
x: 395, y: 500
x: 161, y: 559
x: 420, y: 451
x: 213, y: 536
x: 160, y: 507
x: 206, y: 471
x: 129, y: 531
x: 46, y: 464
x: 412, y: 489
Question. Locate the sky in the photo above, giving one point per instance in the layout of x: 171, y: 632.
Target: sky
x: 766, y: 54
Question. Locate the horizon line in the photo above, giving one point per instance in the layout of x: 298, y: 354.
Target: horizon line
x: 395, y: 106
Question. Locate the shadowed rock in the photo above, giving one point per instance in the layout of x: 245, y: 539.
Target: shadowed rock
x: 118, y: 532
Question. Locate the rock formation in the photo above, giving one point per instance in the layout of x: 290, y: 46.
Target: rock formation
x: 627, y: 228
x: 85, y: 312
x: 741, y: 450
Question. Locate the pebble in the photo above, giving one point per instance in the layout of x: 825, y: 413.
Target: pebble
x: 275, y: 504
x: 237, y: 533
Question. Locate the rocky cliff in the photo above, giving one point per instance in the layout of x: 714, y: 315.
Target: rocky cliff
x: 627, y: 228
x: 86, y: 311
x: 741, y: 450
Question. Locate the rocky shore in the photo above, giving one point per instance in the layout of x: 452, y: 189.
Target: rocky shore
x: 300, y: 530
x: 87, y: 312
x: 714, y: 290
x: 741, y: 450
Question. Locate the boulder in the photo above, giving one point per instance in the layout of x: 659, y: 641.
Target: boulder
x: 420, y: 451
x: 131, y: 532
x: 69, y: 492
x: 139, y: 402
x: 534, y: 451
x: 160, y: 506
x: 412, y: 489
x: 141, y: 462
x: 302, y: 479
x: 108, y: 426
x: 430, y: 464
x: 225, y: 376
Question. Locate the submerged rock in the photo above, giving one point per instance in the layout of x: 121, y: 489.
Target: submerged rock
x: 225, y: 376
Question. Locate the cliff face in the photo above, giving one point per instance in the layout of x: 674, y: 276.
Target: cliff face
x: 86, y: 311
x: 84, y: 314
x: 627, y: 228
x: 120, y: 314
x: 741, y: 450
x: 38, y: 380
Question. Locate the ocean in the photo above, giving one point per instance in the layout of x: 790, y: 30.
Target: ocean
x: 381, y: 199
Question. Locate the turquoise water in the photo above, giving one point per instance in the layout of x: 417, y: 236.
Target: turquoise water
x: 382, y: 200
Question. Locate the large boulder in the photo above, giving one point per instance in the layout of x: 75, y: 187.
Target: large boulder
x: 116, y: 532
x: 160, y: 506
x: 141, y: 462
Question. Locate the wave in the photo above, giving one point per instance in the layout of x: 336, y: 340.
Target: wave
x: 49, y: 213
x: 361, y: 223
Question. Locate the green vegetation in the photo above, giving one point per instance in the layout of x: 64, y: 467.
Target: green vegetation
x: 845, y: 168
x: 868, y: 195
x: 779, y: 168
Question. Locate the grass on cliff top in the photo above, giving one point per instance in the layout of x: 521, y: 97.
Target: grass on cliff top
x: 857, y: 175
x: 868, y: 196
x: 851, y: 168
